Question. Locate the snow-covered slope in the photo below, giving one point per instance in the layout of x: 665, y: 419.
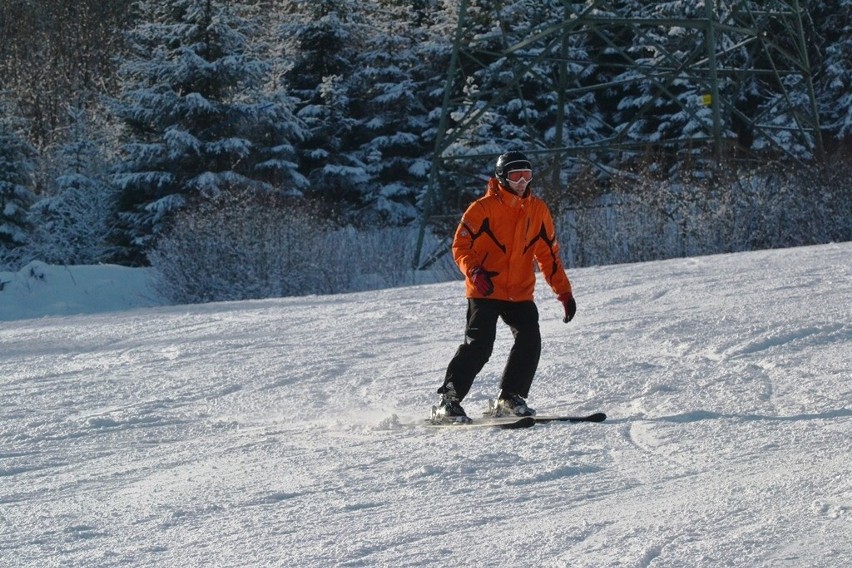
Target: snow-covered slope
x: 283, y: 432
x: 40, y: 289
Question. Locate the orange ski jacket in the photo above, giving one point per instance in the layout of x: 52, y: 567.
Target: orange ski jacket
x: 504, y: 234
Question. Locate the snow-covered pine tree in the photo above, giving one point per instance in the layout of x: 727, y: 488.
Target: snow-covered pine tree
x: 391, y: 115
x: 661, y: 116
x: 651, y: 107
x: 834, y: 34
x: 782, y: 100
x: 479, y: 70
x: 322, y: 39
x: 778, y: 100
x: 482, y: 71
x: 433, y: 49
x: 583, y: 120
x: 526, y: 111
x: 197, y: 118
x: 16, y: 168
x: 72, y: 222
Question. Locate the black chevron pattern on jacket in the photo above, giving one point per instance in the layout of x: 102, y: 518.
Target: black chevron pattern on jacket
x: 542, y: 235
x: 485, y: 229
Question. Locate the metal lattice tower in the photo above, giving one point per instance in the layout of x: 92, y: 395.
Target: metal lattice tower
x: 769, y: 34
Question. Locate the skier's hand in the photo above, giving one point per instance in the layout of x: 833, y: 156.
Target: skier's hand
x: 570, y: 306
x: 481, y: 281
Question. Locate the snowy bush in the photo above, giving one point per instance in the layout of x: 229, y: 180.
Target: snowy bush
x: 642, y: 217
x: 249, y: 245
x: 244, y: 245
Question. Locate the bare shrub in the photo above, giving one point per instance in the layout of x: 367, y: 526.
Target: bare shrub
x: 642, y: 216
x: 245, y: 245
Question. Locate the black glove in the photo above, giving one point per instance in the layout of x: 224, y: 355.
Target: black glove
x: 570, y: 306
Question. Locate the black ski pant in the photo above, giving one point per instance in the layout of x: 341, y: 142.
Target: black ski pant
x: 480, y: 332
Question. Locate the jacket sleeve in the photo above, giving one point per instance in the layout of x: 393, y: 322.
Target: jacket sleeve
x: 464, y: 254
x: 548, y: 257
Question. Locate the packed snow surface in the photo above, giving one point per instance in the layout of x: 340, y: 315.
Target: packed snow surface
x: 288, y: 432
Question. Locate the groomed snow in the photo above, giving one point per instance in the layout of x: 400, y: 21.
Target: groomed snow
x: 285, y: 432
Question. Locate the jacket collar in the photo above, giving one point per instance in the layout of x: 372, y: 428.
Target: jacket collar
x: 504, y: 195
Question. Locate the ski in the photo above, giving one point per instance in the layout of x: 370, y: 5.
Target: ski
x: 503, y: 423
x: 506, y: 422
x: 596, y: 417
x: 491, y: 412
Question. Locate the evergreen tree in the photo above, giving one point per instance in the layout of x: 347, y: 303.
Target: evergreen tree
x: 73, y: 221
x: 648, y: 104
x: 652, y: 107
x: 197, y: 117
x: 484, y: 74
x: 783, y: 97
x: 513, y: 99
x: 436, y: 21
x: 391, y: 116
x: 322, y: 39
x: 16, y: 168
x: 834, y: 40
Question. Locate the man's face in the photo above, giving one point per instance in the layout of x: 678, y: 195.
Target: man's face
x: 519, y: 180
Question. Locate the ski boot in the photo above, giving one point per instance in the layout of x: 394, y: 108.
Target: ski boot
x: 509, y: 404
x: 449, y: 410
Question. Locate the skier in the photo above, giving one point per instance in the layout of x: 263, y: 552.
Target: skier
x: 494, y: 246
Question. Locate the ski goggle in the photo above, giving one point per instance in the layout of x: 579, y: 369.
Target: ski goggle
x: 518, y: 175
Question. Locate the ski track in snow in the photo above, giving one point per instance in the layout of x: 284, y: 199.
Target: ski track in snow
x: 165, y: 436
